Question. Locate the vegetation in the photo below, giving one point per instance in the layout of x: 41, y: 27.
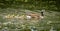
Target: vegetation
x: 31, y: 4
x: 20, y: 7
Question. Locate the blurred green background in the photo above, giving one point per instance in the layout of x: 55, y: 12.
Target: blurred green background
x: 51, y: 22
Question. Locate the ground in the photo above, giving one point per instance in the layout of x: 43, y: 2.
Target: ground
x: 51, y: 19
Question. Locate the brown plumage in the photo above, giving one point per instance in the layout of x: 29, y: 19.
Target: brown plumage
x: 35, y: 16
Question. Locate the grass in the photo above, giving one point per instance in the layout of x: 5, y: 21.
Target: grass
x: 51, y: 18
